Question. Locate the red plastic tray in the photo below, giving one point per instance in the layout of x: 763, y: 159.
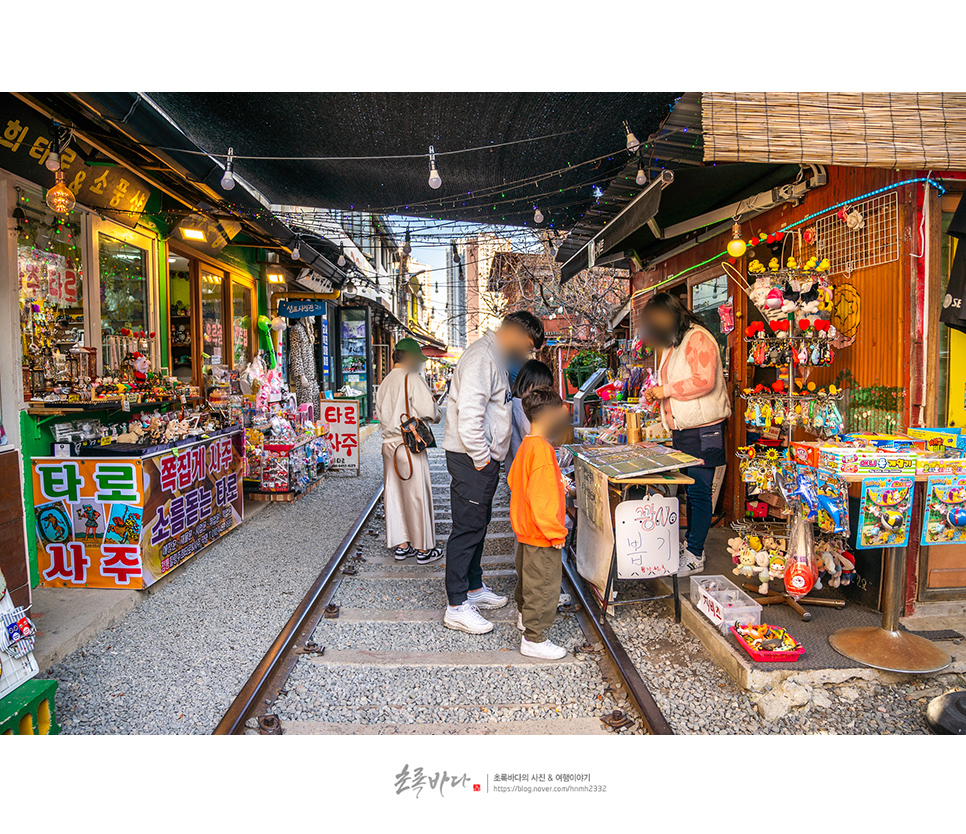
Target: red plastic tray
x: 769, y: 656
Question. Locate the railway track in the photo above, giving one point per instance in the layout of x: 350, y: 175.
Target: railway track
x: 365, y: 651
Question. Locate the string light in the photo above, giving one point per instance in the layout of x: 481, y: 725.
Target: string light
x: 641, y: 178
x: 632, y: 144
x: 349, y: 289
x: 434, y: 179
x: 296, y: 252
x: 52, y: 163
x: 537, y: 216
x: 341, y: 261
x: 228, y: 178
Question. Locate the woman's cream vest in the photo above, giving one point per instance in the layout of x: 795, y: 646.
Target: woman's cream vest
x: 713, y: 407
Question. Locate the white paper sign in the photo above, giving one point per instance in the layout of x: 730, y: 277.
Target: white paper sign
x: 647, y: 537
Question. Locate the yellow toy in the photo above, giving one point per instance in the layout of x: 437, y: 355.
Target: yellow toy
x: 773, y: 265
x: 792, y: 263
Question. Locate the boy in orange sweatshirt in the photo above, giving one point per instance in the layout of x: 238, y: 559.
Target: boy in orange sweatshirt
x: 537, y: 507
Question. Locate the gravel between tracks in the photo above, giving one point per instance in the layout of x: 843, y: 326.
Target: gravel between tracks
x: 176, y: 661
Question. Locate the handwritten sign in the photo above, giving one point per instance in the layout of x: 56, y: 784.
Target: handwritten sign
x: 342, y: 418
x: 648, y: 543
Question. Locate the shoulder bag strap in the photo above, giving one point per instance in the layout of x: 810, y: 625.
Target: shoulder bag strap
x: 406, y: 394
x: 395, y: 463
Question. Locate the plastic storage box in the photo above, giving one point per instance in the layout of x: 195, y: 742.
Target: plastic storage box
x: 723, y: 602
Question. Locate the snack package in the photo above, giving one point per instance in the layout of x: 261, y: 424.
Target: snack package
x: 801, y: 571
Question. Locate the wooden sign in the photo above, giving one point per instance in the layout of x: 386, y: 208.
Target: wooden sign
x: 647, y: 537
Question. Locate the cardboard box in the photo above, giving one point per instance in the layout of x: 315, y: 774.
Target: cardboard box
x: 934, y: 437
x: 940, y: 466
x: 805, y: 453
x: 887, y: 442
x: 851, y: 461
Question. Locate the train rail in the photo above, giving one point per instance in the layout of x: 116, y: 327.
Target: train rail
x: 621, y: 699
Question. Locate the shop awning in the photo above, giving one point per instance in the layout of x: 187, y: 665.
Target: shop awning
x: 687, y: 207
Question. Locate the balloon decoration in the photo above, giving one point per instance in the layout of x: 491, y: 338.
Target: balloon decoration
x: 265, y: 325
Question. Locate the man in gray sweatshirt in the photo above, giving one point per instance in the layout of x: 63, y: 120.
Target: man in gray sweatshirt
x: 476, y: 441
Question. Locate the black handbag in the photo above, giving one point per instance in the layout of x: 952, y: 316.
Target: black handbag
x: 417, y: 436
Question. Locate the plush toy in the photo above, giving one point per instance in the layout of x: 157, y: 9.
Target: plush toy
x: 746, y: 564
x: 141, y: 366
x: 762, y: 559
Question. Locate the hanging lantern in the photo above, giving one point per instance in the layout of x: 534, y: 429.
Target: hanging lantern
x: 60, y: 198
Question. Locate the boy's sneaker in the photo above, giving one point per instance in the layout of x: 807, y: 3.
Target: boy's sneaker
x: 467, y: 618
x: 546, y: 650
x: 520, y: 624
x: 427, y: 557
x: 485, y: 598
x: 690, y: 563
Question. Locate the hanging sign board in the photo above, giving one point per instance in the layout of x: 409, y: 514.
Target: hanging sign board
x: 341, y: 416
x: 25, y: 144
x: 294, y: 309
x: 646, y: 532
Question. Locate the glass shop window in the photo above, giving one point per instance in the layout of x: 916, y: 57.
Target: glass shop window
x: 706, y: 298
x: 241, y: 324
x: 123, y: 272
x: 50, y: 268
x: 212, y: 318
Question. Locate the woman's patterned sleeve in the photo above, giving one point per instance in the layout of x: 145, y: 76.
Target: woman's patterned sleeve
x: 702, y: 357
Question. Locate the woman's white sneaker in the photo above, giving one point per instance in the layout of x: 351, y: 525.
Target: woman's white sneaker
x: 542, y: 651
x: 466, y: 617
x: 520, y: 624
x: 485, y: 598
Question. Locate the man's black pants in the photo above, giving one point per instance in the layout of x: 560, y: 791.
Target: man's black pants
x: 471, y: 498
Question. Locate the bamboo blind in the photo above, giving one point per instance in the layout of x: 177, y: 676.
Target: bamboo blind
x: 880, y: 130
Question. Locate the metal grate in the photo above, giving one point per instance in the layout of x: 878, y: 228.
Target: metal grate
x: 874, y: 242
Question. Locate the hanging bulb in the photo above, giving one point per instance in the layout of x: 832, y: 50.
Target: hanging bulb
x: 560, y: 309
x: 537, y: 216
x: 296, y: 252
x: 736, y: 246
x: 641, y: 178
x: 632, y: 144
x: 434, y: 178
x: 349, y: 289
x: 53, y: 161
x: 407, y: 246
x: 60, y: 198
x: 341, y: 261
x: 228, y: 178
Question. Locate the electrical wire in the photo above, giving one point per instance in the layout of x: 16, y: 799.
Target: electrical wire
x: 375, y: 158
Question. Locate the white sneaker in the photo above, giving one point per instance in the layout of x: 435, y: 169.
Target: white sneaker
x: 485, y: 598
x: 467, y: 618
x: 690, y: 563
x: 546, y: 650
x: 520, y: 624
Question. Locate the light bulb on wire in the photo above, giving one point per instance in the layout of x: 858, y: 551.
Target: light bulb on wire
x: 341, y: 261
x: 349, y: 289
x: 632, y: 144
x: 60, y: 198
x: 434, y: 179
x: 228, y: 178
x: 537, y: 215
x: 296, y: 252
x: 736, y: 246
x: 52, y: 162
x: 641, y: 178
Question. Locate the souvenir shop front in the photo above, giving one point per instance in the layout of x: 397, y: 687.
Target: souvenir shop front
x: 844, y: 481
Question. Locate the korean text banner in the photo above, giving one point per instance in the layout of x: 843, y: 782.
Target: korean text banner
x: 124, y: 523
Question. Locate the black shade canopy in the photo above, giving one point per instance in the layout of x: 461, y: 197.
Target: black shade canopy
x: 481, y: 186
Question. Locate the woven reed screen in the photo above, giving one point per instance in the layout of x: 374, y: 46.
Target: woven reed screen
x: 879, y: 130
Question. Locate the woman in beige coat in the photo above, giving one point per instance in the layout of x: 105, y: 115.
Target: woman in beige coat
x: 410, y: 527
